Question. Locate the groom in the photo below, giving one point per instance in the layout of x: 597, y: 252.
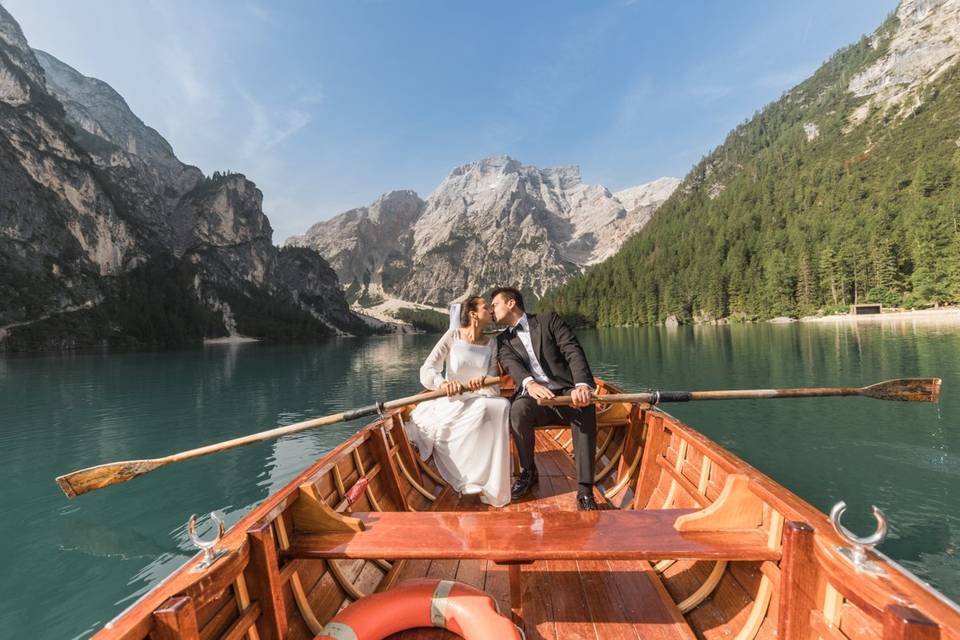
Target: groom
x: 543, y: 357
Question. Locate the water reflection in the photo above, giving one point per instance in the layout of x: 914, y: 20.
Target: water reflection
x: 59, y: 413
x: 900, y: 456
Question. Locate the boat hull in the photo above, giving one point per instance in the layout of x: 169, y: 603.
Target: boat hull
x: 739, y: 556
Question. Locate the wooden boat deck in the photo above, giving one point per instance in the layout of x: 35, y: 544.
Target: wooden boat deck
x: 301, y: 556
x: 562, y: 599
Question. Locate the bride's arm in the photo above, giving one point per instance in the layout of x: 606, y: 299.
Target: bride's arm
x: 431, y: 373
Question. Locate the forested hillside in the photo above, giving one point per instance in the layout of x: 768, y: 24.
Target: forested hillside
x: 822, y: 199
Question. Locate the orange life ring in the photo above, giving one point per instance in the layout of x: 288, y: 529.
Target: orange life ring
x: 457, y: 607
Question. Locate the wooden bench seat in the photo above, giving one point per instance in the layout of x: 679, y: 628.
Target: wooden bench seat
x: 515, y: 536
x: 560, y: 599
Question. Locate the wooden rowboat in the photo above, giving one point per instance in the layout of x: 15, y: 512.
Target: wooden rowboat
x: 692, y: 543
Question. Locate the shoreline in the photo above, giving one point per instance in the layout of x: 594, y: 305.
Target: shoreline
x: 382, y: 312
x: 944, y: 314
x: 230, y: 340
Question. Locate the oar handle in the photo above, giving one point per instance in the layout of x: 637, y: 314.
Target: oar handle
x: 104, y: 475
x: 651, y: 397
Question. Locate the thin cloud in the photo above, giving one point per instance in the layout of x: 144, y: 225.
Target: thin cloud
x: 317, y: 97
x: 270, y: 126
x: 180, y: 63
x: 250, y: 85
x: 258, y: 11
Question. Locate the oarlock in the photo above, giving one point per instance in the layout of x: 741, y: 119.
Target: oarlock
x: 209, y: 555
x: 856, y: 553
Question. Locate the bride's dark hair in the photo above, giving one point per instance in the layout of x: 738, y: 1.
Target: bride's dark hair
x: 472, y: 303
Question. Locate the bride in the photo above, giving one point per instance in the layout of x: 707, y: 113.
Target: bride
x: 468, y: 434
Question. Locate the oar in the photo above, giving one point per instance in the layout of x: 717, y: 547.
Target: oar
x: 104, y: 475
x: 907, y: 389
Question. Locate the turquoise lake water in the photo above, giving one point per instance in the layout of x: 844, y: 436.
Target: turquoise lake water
x: 69, y: 566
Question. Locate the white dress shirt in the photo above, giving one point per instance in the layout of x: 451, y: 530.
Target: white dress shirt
x: 522, y: 329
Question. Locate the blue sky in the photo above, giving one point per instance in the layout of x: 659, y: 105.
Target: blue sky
x: 326, y: 105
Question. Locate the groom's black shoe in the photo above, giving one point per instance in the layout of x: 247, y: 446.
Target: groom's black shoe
x: 526, y: 480
x: 585, y: 502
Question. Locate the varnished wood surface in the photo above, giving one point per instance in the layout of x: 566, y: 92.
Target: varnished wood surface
x: 137, y: 621
x: 531, y: 535
x: 562, y: 597
x: 799, y: 581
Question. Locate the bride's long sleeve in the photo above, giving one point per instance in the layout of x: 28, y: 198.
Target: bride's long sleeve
x: 431, y: 373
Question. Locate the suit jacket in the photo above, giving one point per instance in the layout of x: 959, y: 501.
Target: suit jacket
x: 557, y: 350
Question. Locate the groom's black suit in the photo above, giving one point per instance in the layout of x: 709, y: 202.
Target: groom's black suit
x: 564, y: 363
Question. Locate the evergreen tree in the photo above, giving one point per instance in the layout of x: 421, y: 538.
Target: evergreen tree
x: 806, y: 285
x: 929, y: 244
x: 772, y: 223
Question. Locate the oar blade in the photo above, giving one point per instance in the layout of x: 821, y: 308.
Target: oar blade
x: 905, y: 389
x: 79, y: 482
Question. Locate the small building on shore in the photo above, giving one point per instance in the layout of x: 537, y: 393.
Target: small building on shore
x: 865, y: 309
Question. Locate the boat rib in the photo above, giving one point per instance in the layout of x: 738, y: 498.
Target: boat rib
x: 303, y: 605
x: 744, y: 558
x: 627, y: 476
x: 707, y: 588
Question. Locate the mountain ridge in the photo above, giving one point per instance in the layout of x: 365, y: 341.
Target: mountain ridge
x: 491, y: 221
x: 107, y: 238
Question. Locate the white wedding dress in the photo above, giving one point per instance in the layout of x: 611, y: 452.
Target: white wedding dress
x: 469, y: 434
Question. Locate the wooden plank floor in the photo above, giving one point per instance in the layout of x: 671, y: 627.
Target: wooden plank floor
x: 562, y: 600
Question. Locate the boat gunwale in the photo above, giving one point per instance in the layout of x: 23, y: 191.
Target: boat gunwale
x: 136, y: 621
x: 236, y: 536
x: 795, y: 508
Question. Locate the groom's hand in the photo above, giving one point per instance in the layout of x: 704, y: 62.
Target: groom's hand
x: 581, y: 396
x: 538, y: 391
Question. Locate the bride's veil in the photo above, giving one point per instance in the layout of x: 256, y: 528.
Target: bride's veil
x: 455, y: 316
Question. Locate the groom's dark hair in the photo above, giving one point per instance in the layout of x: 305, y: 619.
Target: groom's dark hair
x: 509, y: 293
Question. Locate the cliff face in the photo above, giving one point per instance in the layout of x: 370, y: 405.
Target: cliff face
x: 92, y: 199
x: 361, y: 243
x: 59, y: 227
x: 491, y: 222
x: 921, y: 48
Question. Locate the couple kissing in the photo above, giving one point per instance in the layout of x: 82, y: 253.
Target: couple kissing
x: 467, y: 430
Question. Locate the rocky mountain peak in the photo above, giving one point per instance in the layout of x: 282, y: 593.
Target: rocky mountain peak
x: 649, y: 194
x: 923, y: 44
x: 499, y: 171
x: 566, y: 177
x: 226, y: 211
x: 400, y: 207
x: 17, y: 48
x: 495, y: 165
x: 98, y: 109
x: 489, y: 222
